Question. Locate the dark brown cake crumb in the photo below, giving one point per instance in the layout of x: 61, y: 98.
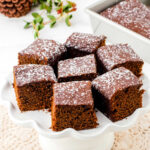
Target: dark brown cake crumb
x: 117, y: 93
x: 33, y: 86
x: 44, y: 52
x: 121, y: 55
x: 77, y: 69
x: 81, y: 44
x: 73, y: 106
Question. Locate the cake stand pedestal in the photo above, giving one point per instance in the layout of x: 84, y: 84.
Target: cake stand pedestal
x: 100, y: 138
x: 102, y: 142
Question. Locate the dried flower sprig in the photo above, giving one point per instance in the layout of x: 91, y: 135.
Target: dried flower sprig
x: 63, y: 10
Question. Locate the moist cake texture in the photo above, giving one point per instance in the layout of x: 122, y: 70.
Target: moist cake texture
x: 117, y: 93
x: 77, y: 63
x: 113, y: 56
x: 77, y: 69
x: 42, y: 51
x: 131, y: 14
x: 81, y: 44
x: 33, y: 86
x: 73, y: 106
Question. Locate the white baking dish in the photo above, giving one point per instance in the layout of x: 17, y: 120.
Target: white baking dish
x: 115, y: 32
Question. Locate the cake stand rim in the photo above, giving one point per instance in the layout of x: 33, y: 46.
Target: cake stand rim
x: 69, y: 131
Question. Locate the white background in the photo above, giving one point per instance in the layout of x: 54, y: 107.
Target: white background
x: 13, y: 37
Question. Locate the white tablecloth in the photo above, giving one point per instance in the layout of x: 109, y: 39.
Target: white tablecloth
x: 14, y: 137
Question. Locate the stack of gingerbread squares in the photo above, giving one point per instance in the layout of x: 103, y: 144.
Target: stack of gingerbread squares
x: 74, y: 78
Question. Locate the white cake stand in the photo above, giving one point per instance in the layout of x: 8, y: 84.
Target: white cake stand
x: 100, y: 138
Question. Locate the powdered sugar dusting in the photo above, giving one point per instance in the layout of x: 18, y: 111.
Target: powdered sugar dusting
x: 112, y: 55
x: 45, y: 49
x: 115, y: 80
x: 84, y: 42
x: 132, y: 14
x: 77, y: 66
x: 26, y: 74
x: 73, y: 93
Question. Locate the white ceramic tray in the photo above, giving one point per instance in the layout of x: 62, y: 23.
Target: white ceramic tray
x: 70, y: 139
x: 115, y: 32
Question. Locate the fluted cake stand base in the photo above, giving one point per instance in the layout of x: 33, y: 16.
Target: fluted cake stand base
x: 102, y: 142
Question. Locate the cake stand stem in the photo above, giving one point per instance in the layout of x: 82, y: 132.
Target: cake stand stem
x: 102, y: 142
